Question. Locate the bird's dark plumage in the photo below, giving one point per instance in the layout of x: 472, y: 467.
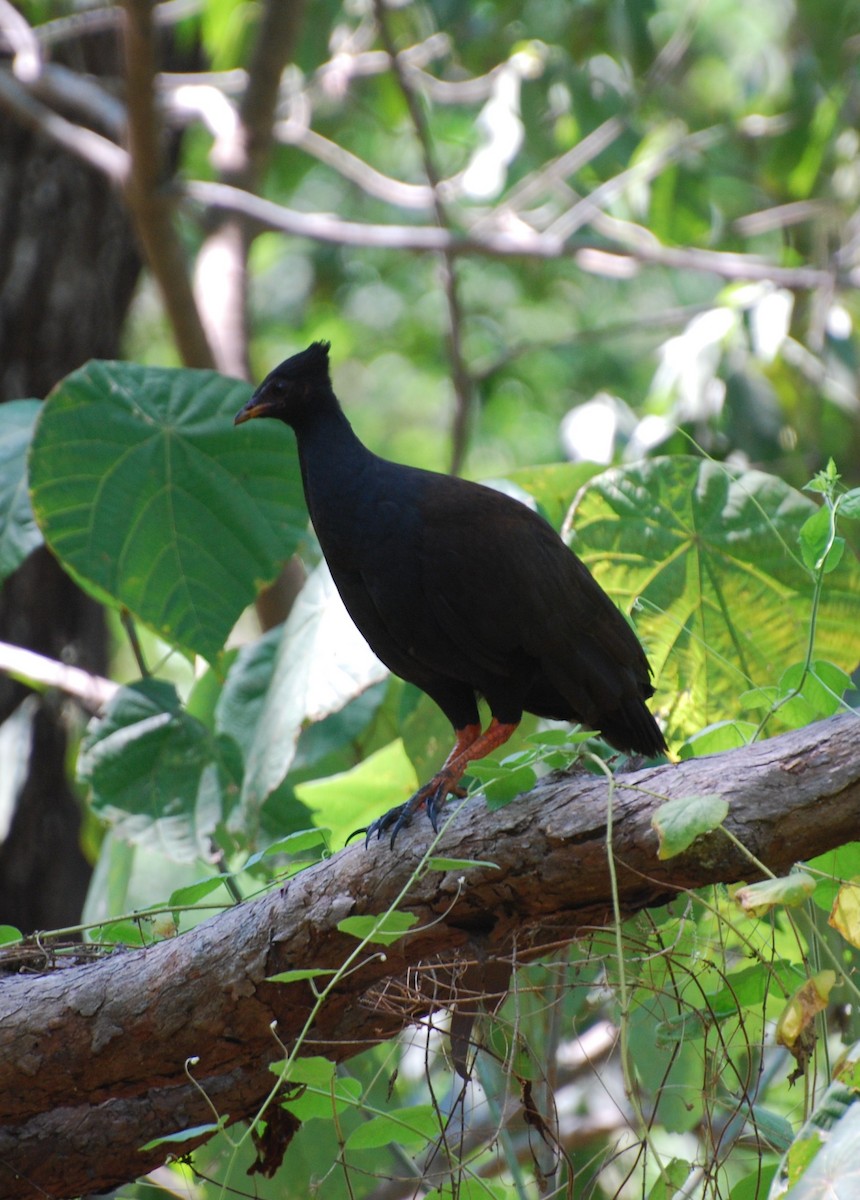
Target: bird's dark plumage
x: 458, y: 589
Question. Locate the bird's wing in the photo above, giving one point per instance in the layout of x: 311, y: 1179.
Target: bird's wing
x: 502, y: 584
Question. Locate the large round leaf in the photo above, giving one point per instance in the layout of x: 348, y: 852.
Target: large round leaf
x: 711, y: 555
x: 153, y: 500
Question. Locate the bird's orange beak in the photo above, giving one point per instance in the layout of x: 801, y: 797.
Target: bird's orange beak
x: 254, y: 408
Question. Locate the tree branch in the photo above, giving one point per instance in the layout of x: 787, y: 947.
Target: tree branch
x: 460, y: 378
x: 221, y: 277
x: 91, y: 147
x: 504, y: 240
x: 94, y: 1056
x: 93, y: 691
x: 149, y: 202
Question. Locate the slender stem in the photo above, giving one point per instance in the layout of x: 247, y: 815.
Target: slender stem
x: 463, y: 387
x: 149, y: 202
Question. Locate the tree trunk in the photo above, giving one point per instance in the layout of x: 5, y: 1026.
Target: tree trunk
x: 68, y: 267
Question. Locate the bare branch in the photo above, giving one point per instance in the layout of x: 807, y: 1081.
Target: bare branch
x: 92, y: 1058
x: 93, y: 691
x: 86, y: 144
x: 18, y: 34
x: 150, y: 206
x: 517, y: 240
x: 393, y: 191
x: 221, y: 279
x: 460, y: 378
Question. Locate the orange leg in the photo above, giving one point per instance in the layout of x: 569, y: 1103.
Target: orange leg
x: 470, y: 745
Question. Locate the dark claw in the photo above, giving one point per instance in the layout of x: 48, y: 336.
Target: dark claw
x: 398, y: 817
x: 432, y: 797
x: 435, y: 802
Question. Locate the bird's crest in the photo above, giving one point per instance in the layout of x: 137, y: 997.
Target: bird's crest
x: 307, y: 363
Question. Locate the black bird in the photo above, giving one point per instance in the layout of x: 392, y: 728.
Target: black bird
x: 458, y: 589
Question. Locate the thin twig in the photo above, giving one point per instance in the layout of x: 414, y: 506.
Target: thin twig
x: 93, y: 691
x: 87, y: 145
x: 463, y: 388
x: 151, y: 207
x: 18, y: 34
x: 221, y: 277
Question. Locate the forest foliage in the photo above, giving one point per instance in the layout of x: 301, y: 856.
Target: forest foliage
x: 639, y: 316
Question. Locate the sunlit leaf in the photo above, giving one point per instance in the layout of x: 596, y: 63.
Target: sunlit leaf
x: 352, y: 799
x: 706, y: 556
x: 723, y: 735
x: 845, y: 914
x: 384, y: 929
x: 300, y: 973
x: 789, y: 891
x: 413, y: 1126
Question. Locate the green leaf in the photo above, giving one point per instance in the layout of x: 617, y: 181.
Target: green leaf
x: 293, y: 843
x: 19, y: 533
x: 384, y: 929
x: 414, y: 1126
x: 8, y: 933
x: 299, y: 973
x: 789, y: 891
x: 560, y: 737
x: 459, y: 864
x: 822, y: 686
x: 500, y: 791
x: 194, y: 892
x: 554, y: 485
x: 324, y: 1098
x: 673, y: 1176
x: 679, y: 822
x: 322, y: 662
x: 186, y: 1135
x: 750, y: 987
x: 755, y: 1185
x: 724, y: 735
x: 773, y: 1128
x: 157, y: 774
x: 815, y: 538
x: 352, y: 799
x: 723, y: 598
x: 243, y: 696
x: 152, y: 500
x: 849, y: 505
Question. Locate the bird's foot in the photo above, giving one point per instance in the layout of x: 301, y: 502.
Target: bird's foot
x: 432, y: 797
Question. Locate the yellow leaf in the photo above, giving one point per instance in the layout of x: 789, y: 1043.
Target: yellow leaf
x: 845, y: 914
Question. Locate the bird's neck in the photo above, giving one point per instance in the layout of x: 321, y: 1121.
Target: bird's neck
x: 334, y: 465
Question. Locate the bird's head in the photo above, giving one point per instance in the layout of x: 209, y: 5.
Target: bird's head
x: 287, y: 390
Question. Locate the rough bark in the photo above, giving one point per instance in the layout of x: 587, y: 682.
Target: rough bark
x: 68, y: 267
x: 92, y: 1057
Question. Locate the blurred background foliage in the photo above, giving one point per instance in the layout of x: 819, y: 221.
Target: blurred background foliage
x: 732, y: 128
